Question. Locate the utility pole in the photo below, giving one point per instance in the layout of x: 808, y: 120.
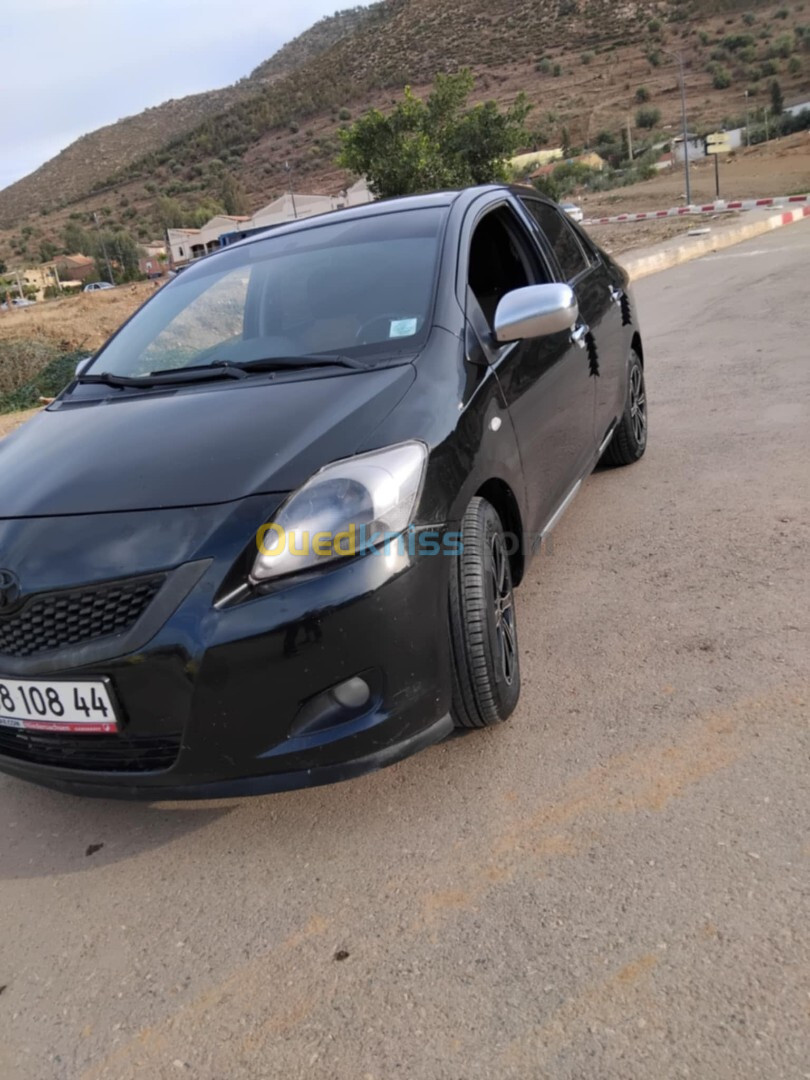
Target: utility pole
x: 679, y: 58
x: 747, y: 122
x: 288, y: 170
x: 104, y: 250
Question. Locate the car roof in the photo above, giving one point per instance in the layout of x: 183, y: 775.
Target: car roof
x: 401, y: 204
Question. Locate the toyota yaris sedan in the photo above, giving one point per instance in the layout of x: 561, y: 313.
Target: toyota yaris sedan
x: 268, y: 536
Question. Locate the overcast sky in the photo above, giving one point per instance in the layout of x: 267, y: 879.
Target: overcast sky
x: 70, y: 66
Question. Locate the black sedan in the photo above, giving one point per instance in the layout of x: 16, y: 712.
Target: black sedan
x: 268, y: 536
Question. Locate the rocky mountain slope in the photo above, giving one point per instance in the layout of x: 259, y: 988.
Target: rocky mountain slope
x: 585, y: 65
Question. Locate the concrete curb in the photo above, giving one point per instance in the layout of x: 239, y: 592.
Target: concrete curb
x: 643, y: 264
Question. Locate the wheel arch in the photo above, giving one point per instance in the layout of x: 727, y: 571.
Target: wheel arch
x: 638, y: 347
x: 500, y: 495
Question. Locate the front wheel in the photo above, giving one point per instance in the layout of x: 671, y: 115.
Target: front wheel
x: 630, y: 437
x: 483, y: 628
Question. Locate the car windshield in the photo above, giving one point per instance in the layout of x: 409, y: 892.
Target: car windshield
x: 359, y: 287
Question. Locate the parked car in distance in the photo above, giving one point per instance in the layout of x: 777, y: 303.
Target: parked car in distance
x: 97, y: 286
x: 573, y: 211
x: 303, y: 481
x: 17, y: 302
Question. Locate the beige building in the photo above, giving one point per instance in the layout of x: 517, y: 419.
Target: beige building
x: 189, y: 244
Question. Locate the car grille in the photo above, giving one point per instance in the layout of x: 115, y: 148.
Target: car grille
x: 97, y: 753
x: 51, y: 621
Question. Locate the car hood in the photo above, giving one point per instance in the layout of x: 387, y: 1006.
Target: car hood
x: 193, y: 447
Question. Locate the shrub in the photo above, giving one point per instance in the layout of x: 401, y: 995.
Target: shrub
x: 543, y: 66
x: 749, y: 18
x: 648, y: 117
x: 721, y: 79
x: 344, y: 114
x: 642, y: 95
x: 654, y: 25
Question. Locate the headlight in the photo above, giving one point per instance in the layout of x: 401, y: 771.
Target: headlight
x: 345, y: 508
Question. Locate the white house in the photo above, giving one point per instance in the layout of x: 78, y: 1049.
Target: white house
x: 189, y: 244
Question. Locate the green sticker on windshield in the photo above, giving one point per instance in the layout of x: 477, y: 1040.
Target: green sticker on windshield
x: 403, y: 327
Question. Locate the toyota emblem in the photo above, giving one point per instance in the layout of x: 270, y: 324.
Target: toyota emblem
x: 10, y: 591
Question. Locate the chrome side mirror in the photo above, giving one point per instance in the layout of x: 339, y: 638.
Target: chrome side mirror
x: 535, y: 311
x: 83, y: 365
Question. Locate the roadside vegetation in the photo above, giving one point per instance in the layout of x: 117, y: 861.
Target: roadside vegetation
x: 31, y: 370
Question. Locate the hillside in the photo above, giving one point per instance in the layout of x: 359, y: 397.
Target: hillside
x: 582, y: 64
x: 93, y: 158
x: 322, y: 36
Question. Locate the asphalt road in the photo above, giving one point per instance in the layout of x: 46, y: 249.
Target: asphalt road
x: 613, y: 885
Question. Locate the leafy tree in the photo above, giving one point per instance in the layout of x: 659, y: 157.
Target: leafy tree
x: 434, y: 144
x: 47, y: 250
x: 648, y: 117
x: 170, y: 213
x: 76, y: 239
x: 777, y: 98
x: 232, y: 195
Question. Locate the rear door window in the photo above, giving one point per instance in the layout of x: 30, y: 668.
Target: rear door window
x: 561, y: 237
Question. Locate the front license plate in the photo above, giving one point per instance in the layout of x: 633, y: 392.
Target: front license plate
x: 37, y: 705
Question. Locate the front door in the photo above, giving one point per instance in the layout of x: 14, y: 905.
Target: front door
x: 545, y: 381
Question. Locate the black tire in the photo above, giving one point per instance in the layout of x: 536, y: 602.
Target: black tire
x: 630, y: 438
x: 483, y: 631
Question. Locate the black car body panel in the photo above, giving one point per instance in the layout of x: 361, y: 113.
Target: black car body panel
x: 225, y: 685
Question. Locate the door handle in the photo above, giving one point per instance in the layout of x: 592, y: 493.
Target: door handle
x: 579, y: 334
x: 616, y: 294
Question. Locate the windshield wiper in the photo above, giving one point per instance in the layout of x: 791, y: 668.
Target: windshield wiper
x: 171, y: 376
x: 220, y: 369
x: 271, y: 363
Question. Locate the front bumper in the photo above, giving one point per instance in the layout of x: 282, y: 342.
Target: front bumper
x: 240, y: 691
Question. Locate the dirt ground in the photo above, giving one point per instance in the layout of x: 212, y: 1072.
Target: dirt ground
x: 781, y: 167
x: 778, y: 168
x: 76, y: 322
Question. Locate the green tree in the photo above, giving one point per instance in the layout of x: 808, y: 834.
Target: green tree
x: 777, y: 98
x: 76, y: 239
x: 434, y: 144
x: 648, y: 117
x: 47, y: 250
x: 232, y: 195
x: 170, y: 213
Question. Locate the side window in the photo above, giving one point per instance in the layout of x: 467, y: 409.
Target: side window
x: 501, y: 259
x: 557, y: 230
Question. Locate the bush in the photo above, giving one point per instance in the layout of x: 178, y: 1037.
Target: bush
x: 30, y: 370
x: 648, y: 117
x: 721, y: 79
x: 20, y: 361
x: 344, y: 114
x: 587, y: 57
x: 642, y: 95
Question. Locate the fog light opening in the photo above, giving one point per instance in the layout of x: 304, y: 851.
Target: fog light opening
x: 353, y: 693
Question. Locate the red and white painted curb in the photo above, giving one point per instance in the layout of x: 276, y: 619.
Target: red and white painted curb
x: 707, y: 208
